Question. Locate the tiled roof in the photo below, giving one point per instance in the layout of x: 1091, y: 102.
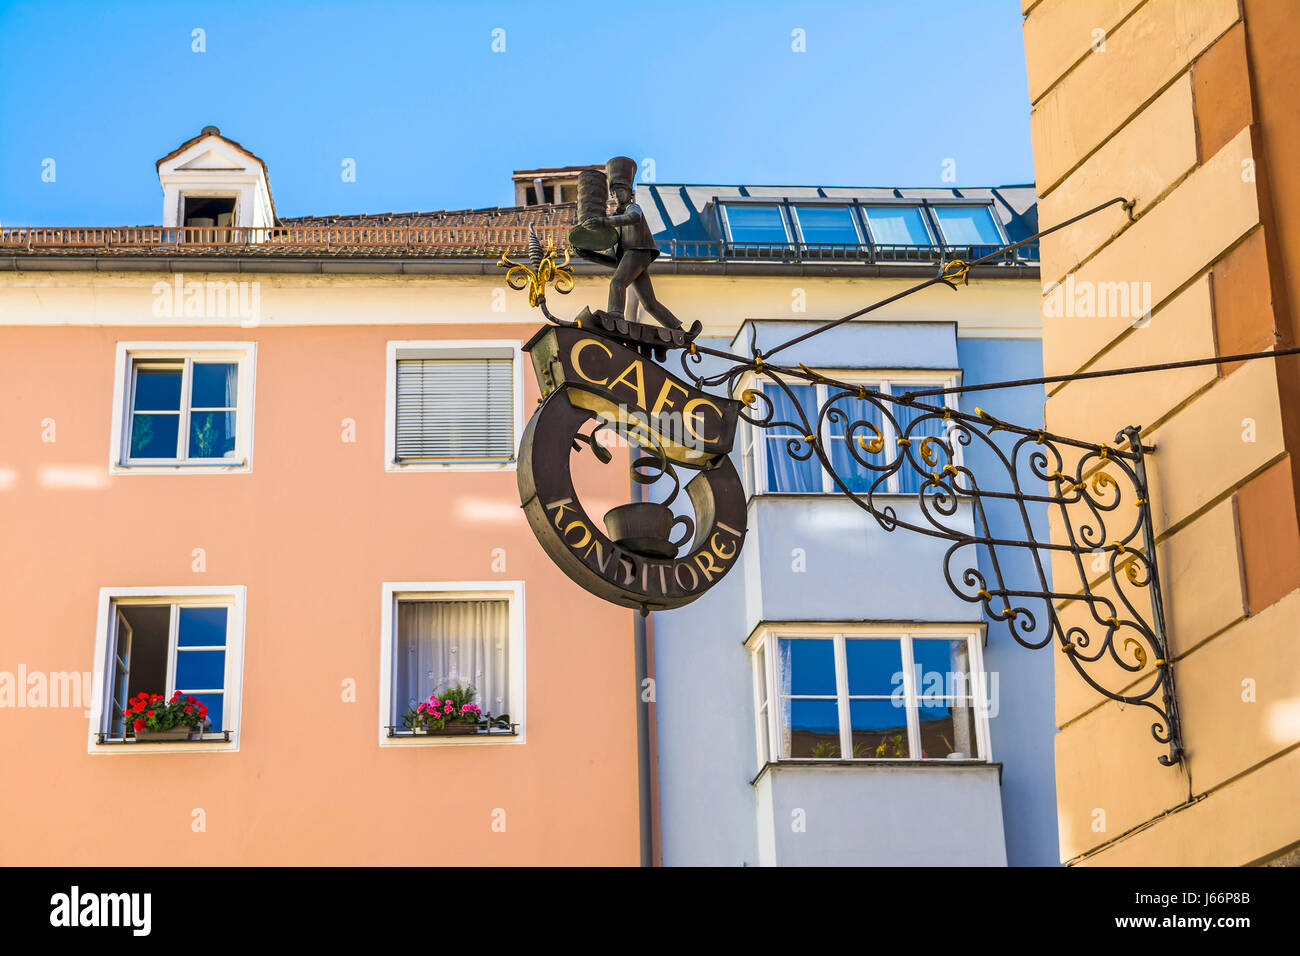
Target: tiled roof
x: 546, y: 214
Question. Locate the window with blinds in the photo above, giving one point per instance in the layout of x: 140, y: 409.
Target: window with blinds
x: 455, y: 410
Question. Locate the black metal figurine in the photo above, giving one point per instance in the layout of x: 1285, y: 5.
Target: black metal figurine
x: 627, y: 234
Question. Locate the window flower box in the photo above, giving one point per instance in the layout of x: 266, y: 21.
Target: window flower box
x: 451, y: 713
x: 148, y: 736
x: 453, y: 728
x: 155, y: 720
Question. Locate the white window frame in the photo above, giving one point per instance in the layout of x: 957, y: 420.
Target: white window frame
x: 755, y: 441
x: 767, y: 636
x: 451, y: 349
x: 232, y: 597
x: 244, y: 354
x: 509, y: 591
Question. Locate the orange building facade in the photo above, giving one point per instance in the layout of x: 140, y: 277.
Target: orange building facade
x: 306, y: 550
x: 240, y: 487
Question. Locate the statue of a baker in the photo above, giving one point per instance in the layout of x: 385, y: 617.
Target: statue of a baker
x: 633, y: 246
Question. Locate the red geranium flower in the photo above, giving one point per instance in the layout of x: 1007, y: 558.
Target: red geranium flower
x: 139, y: 725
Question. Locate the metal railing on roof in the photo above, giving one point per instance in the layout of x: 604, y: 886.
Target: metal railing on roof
x: 875, y: 253
x: 396, y: 238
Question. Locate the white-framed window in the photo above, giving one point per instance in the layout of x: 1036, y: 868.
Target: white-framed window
x: 438, y: 634
x: 183, y: 407
x: 164, y: 641
x: 768, y: 467
x: 870, y: 692
x: 453, y: 405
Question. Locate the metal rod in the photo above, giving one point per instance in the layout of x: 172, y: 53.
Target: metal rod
x: 903, y: 399
x: 1131, y: 370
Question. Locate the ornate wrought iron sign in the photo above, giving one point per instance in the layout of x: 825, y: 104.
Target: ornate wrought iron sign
x: 1094, y: 591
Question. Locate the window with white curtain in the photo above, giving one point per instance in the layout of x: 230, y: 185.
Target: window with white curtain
x: 441, y: 635
x: 870, y: 693
x: 183, y: 409
x: 770, y: 468
x: 444, y: 643
x: 453, y: 405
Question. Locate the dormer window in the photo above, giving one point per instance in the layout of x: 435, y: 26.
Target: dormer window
x: 547, y: 185
x: 212, y: 182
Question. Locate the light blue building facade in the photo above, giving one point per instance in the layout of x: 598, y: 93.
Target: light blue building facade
x: 832, y: 701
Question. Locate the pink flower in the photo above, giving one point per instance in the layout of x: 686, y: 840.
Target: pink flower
x: 420, y: 709
x: 448, y: 709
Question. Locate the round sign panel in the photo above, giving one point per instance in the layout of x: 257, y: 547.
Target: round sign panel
x: 648, y: 578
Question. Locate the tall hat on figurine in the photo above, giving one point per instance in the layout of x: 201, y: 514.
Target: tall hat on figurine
x: 620, y: 171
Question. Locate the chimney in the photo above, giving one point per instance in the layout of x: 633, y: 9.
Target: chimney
x: 548, y: 185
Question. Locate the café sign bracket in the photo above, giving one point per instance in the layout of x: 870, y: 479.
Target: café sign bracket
x: 1094, y: 592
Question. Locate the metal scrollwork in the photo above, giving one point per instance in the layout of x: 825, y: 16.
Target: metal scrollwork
x: 1095, y: 594
x: 540, y: 272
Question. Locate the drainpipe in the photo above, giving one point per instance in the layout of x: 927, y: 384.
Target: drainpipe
x: 643, y: 740
x: 646, y: 738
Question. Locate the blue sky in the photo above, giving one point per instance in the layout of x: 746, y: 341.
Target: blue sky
x: 884, y: 93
